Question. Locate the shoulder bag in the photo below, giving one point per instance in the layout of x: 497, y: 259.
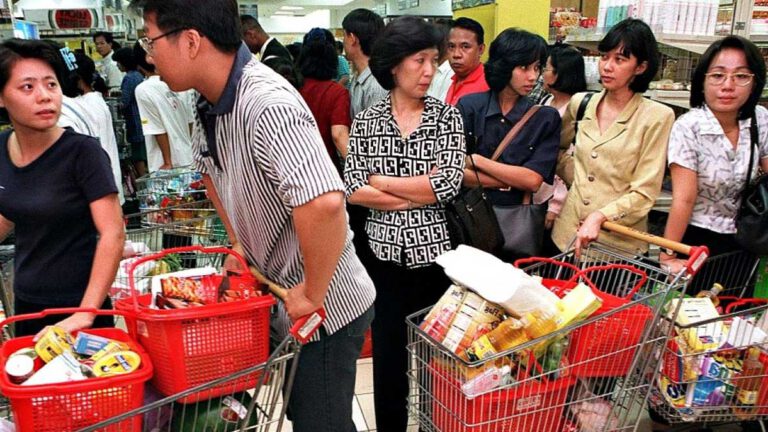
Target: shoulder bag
x: 522, y: 224
x: 472, y: 221
x: 752, y: 218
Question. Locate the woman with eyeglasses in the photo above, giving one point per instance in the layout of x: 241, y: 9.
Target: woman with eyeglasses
x: 57, y: 194
x: 709, y: 147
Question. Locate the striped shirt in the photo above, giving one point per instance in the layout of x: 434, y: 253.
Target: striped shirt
x: 261, y: 147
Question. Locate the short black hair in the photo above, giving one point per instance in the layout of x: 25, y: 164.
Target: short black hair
x: 217, y: 20
x: 318, y: 58
x: 401, y: 38
x: 568, y: 64
x: 124, y: 56
x: 471, y: 25
x: 108, y: 37
x: 366, y: 25
x: 512, y: 48
x: 140, y: 56
x: 756, y: 65
x: 339, y: 46
x: 286, y: 69
x: 86, y: 71
x: 294, y: 49
x: 249, y: 22
x: 635, y: 38
x: 13, y: 50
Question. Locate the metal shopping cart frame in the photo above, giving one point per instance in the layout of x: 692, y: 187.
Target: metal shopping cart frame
x: 550, y: 400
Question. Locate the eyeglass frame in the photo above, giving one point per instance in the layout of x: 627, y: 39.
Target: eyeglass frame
x: 147, y: 44
x: 731, y: 77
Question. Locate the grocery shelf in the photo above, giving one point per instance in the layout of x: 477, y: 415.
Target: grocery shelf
x: 696, y: 44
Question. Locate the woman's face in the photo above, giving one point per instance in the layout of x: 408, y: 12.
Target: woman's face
x: 727, y: 97
x: 549, y: 74
x: 617, y: 71
x: 524, y: 78
x: 414, y: 74
x: 32, y: 95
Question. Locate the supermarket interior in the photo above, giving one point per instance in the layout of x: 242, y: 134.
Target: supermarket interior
x: 595, y: 338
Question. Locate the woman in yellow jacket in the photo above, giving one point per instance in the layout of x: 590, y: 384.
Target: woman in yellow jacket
x: 617, y: 166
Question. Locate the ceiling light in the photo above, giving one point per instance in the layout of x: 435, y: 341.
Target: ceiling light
x: 284, y: 13
x: 291, y: 8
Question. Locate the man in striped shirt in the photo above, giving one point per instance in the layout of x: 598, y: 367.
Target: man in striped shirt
x: 281, y: 199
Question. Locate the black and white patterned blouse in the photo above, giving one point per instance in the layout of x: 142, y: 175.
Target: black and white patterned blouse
x: 412, y: 238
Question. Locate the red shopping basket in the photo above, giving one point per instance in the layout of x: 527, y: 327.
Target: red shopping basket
x: 530, y: 406
x: 74, y: 405
x: 607, y: 346
x: 197, y: 345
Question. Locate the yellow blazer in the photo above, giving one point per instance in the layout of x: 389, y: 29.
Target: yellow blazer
x: 618, y: 173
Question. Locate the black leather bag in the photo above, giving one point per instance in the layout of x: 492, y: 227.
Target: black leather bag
x: 523, y: 227
x: 752, y: 219
x: 472, y: 221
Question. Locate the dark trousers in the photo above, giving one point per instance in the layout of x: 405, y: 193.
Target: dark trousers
x: 324, y: 386
x: 399, y: 293
x: 31, y: 327
x: 734, y: 277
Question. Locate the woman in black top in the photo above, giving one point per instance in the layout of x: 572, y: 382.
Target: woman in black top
x: 514, y: 64
x: 58, y: 194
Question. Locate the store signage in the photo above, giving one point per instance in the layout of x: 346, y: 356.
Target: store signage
x: 73, y: 18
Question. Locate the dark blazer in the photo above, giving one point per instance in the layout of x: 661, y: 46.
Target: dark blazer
x: 276, y: 49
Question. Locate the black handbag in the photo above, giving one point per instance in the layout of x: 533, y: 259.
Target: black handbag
x: 521, y: 224
x: 752, y: 219
x: 472, y: 221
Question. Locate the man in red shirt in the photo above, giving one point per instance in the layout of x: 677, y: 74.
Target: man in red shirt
x: 465, y: 47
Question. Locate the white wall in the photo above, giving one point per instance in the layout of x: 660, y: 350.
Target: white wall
x: 287, y: 24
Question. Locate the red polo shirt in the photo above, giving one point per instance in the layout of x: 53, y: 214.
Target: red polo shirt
x: 474, y: 83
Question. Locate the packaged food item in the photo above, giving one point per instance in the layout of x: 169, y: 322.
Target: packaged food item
x: 748, y: 385
x: 475, y: 318
x: 577, y: 305
x: 554, y: 357
x: 673, y: 393
x: 704, y: 337
x: 116, y: 363
x: 87, y: 344
x: 507, y: 335
x: 110, y: 348
x: 63, y: 368
x: 439, y: 319
x: 743, y: 333
x: 488, y: 380
x: 19, y: 368
x: 54, y: 342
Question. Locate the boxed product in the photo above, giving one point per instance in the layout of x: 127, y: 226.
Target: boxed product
x: 198, y: 287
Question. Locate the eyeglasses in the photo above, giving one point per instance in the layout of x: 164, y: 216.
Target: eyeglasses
x: 741, y: 79
x: 148, y: 44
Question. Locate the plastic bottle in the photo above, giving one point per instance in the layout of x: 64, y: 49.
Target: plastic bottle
x: 507, y: 335
x: 538, y: 324
x: 714, y: 9
x: 711, y: 294
x: 489, y: 379
x: 748, y: 385
x: 683, y: 17
x: 702, y: 17
x: 601, y: 11
x: 670, y: 12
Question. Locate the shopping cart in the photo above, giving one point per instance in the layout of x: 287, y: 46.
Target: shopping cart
x: 590, y: 375
x: 261, y: 408
x: 182, y: 184
x: 702, y: 380
x: 196, y: 345
x: 73, y: 405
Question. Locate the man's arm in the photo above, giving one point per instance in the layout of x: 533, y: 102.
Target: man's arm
x: 165, y: 149
x: 321, y: 246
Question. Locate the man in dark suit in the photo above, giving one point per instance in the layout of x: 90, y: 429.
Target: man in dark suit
x: 259, y: 42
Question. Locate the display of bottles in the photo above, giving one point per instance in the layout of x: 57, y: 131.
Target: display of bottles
x: 688, y: 17
x: 711, y: 294
x: 748, y: 385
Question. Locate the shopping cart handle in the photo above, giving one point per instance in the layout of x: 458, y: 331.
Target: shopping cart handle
x: 304, y: 327
x: 696, y: 254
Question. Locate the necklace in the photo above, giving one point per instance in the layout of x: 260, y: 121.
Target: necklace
x: 407, y: 122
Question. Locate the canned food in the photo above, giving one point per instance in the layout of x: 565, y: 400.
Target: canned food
x: 117, y: 363
x: 54, y: 342
x: 19, y: 368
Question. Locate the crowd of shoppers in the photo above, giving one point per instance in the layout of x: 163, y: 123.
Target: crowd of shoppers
x: 373, y: 139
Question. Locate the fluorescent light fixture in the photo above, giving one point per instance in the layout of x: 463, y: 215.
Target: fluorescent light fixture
x: 284, y: 13
x: 291, y: 8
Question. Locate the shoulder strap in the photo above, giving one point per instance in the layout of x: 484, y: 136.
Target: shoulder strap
x: 752, y: 144
x: 514, y: 131
x: 580, y: 113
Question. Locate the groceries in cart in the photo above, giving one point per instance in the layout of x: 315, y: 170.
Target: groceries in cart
x: 176, y: 190
x: 715, y: 362
x: 199, y: 287
x: 58, y: 357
